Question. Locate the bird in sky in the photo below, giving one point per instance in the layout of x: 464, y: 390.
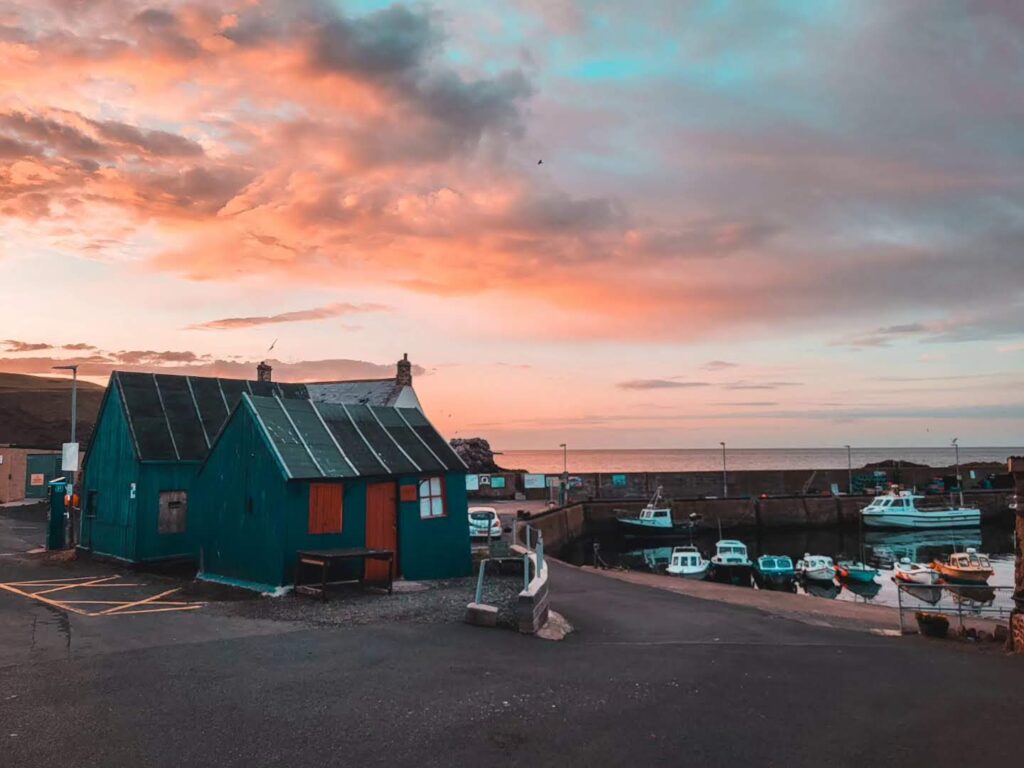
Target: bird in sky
x: 272, y: 345
x: 540, y: 162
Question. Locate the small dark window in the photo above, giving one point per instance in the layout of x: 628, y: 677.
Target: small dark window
x: 173, y: 512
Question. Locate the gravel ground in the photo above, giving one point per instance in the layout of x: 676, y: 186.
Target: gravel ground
x: 419, y: 602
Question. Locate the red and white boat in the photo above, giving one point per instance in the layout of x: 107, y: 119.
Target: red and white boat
x: 914, y: 573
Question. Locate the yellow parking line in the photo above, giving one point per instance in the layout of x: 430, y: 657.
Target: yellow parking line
x: 152, y: 599
x: 46, y: 582
x: 94, y: 583
x: 190, y: 607
x: 46, y: 600
x: 117, y: 602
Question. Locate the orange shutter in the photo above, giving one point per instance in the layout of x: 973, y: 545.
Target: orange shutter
x: 325, y: 507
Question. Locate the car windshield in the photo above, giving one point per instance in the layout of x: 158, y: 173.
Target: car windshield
x: 480, y: 516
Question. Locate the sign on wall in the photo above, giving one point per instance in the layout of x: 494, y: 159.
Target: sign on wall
x: 497, y: 483
x: 619, y: 481
x: 69, y: 457
x: 37, y: 479
x: 533, y: 481
x: 472, y: 482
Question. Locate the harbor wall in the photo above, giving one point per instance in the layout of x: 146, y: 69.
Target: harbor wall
x: 564, y: 525
x: 742, y: 483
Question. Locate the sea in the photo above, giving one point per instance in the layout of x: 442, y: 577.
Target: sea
x: 705, y: 459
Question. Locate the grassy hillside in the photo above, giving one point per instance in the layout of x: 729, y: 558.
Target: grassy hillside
x: 36, y: 412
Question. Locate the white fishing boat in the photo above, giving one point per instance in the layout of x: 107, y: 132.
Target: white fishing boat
x: 688, y: 563
x: 816, y: 567
x: 655, y: 519
x: 902, y: 510
x: 730, y: 563
x: 914, y: 573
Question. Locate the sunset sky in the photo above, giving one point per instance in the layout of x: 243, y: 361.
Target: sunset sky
x: 770, y: 223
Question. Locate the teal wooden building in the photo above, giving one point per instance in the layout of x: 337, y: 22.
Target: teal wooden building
x: 291, y: 473
x: 152, y: 435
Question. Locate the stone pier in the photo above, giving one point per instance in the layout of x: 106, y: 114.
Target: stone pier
x: 1017, y: 617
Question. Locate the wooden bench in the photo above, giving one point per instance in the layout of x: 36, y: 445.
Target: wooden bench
x: 323, y: 559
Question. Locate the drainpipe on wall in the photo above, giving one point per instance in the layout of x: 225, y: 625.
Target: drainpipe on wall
x: 1017, y: 617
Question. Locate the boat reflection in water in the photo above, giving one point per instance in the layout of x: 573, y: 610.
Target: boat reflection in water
x: 925, y: 594
x: 888, y: 547
x: 867, y: 590
x: 972, y: 597
x: 826, y: 589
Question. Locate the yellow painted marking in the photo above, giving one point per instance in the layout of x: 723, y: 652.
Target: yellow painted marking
x: 47, y: 582
x: 117, y: 602
x: 191, y: 607
x: 151, y: 599
x: 45, y: 600
x: 94, y: 583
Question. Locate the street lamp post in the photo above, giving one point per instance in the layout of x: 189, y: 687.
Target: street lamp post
x: 849, y: 471
x: 74, y: 424
x: 725, y: 475
x: 959, y: 480
x: 565, y: 472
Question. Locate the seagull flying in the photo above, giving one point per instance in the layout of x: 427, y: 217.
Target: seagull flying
x: 272, y: 345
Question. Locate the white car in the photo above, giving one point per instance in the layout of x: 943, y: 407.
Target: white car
x: 484, y: 523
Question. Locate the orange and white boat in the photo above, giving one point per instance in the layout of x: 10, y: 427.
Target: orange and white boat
x: 966, y: 567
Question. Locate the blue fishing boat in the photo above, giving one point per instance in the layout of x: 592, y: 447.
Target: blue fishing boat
x: 855, y: 570
x: 774, y: 571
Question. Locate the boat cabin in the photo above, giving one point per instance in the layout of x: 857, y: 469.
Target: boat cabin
x: 904, y: 500
x: 969, y: 559
x: 775, y: 563
x: 730, y: 550
x: 687, y: 557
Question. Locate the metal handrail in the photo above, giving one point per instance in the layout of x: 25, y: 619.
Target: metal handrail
x: 961, y: 593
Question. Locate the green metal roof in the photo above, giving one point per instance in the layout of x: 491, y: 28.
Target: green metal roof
x: 335, y: 440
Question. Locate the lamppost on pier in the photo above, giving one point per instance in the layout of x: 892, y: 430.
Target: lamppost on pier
x: 725, y: 475
x: 849, y: 471
x: 565, y: 472
x: 959, y: 480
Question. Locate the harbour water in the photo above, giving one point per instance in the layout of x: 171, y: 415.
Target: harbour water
x: 710, y: 459
x: 881, y: 549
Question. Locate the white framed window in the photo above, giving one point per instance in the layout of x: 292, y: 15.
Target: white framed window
x: 432, y: 497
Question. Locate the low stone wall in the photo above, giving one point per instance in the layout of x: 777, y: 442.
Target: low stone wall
x: 534, y: 602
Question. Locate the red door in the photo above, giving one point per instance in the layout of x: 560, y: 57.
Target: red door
x: 381, y: 528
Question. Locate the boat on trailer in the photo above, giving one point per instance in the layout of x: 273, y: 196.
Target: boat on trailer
x: 902, y: 510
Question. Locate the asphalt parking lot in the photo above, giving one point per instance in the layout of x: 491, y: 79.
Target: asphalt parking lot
x: 648, y: 677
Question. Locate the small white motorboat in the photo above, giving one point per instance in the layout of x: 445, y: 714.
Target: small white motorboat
x: 901, y: 510
x: 914, y: 573
x: 655, y: 519
x: 730, y: 563
x: 816, y: 567
x: 688, y: 563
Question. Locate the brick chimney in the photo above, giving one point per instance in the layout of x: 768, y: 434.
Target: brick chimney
x: 263, y: 371
x: 404, y: 376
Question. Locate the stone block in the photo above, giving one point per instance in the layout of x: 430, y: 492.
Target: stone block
x: 481, y: 615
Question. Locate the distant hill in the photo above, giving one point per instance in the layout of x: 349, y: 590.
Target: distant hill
x: 35, y: 411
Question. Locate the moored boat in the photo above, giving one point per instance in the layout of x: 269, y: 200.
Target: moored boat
x: 901, y: 510
x: 855, y: 570
x: 655, y: 519
x: 774, y: 571
x: 688, y: 563
x: 914, y: 573
x: 816, y: 568
x: 730, y: 563
x: 966, y: 567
